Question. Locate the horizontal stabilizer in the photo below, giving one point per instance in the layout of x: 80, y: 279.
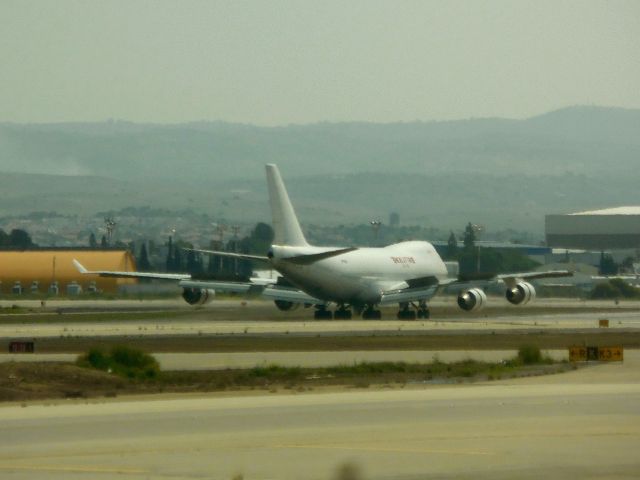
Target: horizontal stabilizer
x: 218, y: 253
x: 314, y: 257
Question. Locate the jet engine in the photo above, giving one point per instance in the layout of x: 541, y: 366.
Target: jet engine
x: 521, y: 294
x: 472, y: 300
x: 197, y: 296
x: 286, y: 306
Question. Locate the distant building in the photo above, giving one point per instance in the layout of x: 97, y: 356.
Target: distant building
x: 52, y: 271
x: 612, y: 228
x: 394, y: 219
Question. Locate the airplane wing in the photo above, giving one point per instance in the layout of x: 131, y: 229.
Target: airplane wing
x: 257, y: 286
x: 153, y: 275
x: 424, y: 288
x: 250, y: 289
x: 510, y: 279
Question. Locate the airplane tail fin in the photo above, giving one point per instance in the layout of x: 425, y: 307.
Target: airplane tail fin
x: 285, y: 223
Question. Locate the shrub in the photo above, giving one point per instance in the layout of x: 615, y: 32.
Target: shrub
x: 626, y: 290
x: 529, y: 355
x: 615, y: 288
x: 96, y: 358
x: 121, y: 360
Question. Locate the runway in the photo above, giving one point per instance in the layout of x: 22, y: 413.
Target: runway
x: 262, y: 318
x: 584, y: 424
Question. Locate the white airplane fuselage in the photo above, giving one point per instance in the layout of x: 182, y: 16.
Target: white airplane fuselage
x: 359, y: 276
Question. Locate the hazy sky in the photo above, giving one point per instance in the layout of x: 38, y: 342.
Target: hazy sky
x: 278, y: 62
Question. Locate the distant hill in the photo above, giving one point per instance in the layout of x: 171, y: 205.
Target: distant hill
x: 492, y: 170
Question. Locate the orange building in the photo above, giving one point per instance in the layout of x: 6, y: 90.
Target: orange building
x: 52, y: 270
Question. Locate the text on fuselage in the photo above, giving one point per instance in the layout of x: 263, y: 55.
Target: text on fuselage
x: 403, y: 260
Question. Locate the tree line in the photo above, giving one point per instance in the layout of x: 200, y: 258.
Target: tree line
x: 16, y: 238
x: 475, y: 260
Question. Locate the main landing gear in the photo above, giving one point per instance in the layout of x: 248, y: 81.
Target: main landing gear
x: 322, y: 313
x: 342, y: 313
x: 345, y: 312
x: 371, y: 313
x: 409, y: 311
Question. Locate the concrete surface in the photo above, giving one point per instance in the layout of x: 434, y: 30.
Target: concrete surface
x: 17, y: 327
x: 583, y: 424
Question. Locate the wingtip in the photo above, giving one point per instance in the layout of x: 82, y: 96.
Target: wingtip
x: 79, y: 266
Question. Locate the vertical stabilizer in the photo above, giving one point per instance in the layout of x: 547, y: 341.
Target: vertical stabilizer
x: 285, y: 223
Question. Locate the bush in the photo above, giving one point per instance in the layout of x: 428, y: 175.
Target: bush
x: 121, y: 360
x: 529, y: 355
x: 615, y: 288
x: 97, y: 359
x: 626, y: 290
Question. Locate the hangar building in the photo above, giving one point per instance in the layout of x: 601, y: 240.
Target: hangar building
x: 612, y: 228
x: 52, y: 271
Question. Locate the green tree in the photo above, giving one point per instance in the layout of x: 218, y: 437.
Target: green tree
x: 607, y: 265
x: 177, y: 259
x: 452, y: 247
x: 214, y: 266
x: 169, y: 261
x: 468, y: 259
x: 194, y: 263
x: 627, y: 265
x: 20, y: 239
x: 260, y: 239
x: 143, y: 259
x: 93, y: 243
x: 469, y: 238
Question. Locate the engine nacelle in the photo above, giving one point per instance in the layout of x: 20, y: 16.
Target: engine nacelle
x: 286, y: 306
x: 521, y: 294
x: 197, y: 296
x: 472, y: 300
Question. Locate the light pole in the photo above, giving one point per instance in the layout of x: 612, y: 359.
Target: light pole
x: 477, y: 229
x: 220, y: 229
x: 110, y: 225
x: 375, y: 225
x: 236, y: 229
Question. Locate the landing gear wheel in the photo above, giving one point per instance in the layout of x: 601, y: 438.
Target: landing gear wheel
x: 371, y: 314
x: 406, y: 314
x: 322, y: 313
x: 424, y: 313
x: 342, y: 314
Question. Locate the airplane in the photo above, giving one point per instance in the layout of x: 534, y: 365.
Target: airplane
x: 354, y: 280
